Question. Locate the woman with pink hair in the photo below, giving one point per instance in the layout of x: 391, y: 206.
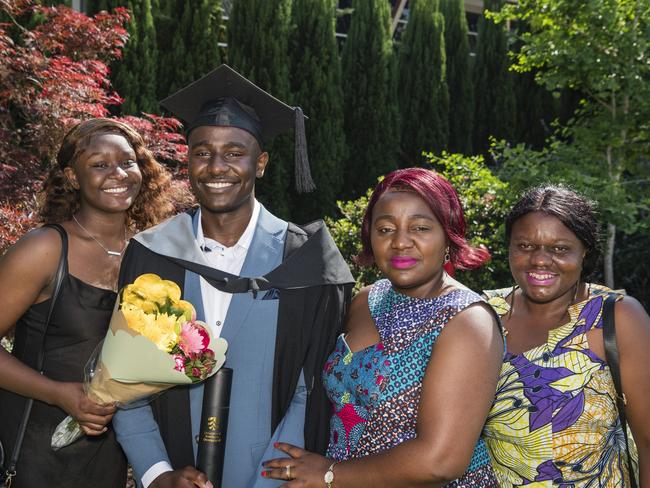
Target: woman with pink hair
x: 413, y: 377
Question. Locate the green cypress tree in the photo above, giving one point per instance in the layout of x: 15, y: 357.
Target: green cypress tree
x: 135, y: 75
x: 493, y: 89
x: 423, y: 95
x: 94, y: 6
x: 54, y: 3
x: 459, y: 76
x: 316, y: 83
x: 177, y: 71
x: 258, y: 37
x: 194, y: 47
x: 536, y: 110
x: 371, y: 115
x: 536, y: 106
x: 168, y: 18
x: 125, y: 80
x: 204, y: 39
x: 147, y: 67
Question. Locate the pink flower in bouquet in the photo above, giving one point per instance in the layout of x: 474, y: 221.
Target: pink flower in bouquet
x: 179, y: 359
x: 194, y: 339
x: 150, y: 308
x: 208, y: 360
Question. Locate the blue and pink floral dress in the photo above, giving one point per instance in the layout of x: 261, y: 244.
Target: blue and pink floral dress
x: 375, y: 392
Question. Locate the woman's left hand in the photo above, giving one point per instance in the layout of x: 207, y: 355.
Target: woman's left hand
x: 306, y: 469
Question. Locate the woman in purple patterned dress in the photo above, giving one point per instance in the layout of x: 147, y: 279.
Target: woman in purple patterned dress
x: 555, y: 420
x: 413, y: 378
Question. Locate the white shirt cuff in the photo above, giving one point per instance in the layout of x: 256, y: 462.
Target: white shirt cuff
x: 154, y: 471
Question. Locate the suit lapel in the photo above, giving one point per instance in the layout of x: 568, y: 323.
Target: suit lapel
x: 171, y: 238
x: 264, y: 254
x: 192, y: 291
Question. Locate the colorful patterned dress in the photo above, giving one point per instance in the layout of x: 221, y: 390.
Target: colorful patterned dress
x: 554, y: 421
x: 375, y: 392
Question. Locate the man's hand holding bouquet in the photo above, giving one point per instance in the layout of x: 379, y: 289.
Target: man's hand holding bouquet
x: 153, y: 342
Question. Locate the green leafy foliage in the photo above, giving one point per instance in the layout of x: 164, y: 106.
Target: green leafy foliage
x: 459, y: 76
x: 258, y: 39
x: 204, y: 35
x: 632, y: 259
x: 188, y: 42
x: 565, y: 40
x: 423, y: 94
x: 316, y: 84
x: 493, y: 85
x: 55, y: 74
x: 370, y: 106
x: 486, y: 200
x: 571, y: 165
x: 599, y: 49
x: 536, y: 111
x: 346, y: 232
x: 134, y: 76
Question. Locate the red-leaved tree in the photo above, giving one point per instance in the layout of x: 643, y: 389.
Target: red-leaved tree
x: 53, y: 73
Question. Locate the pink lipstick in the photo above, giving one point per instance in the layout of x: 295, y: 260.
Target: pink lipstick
x: 402, y: 262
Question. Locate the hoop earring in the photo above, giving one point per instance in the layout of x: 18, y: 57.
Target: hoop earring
x: 447, y: 256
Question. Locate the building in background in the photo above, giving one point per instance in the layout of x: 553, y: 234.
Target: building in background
x: 400, y: 14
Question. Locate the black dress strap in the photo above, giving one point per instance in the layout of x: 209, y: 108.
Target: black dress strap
x: 63, y: 261
x: 612, y: 356
x: 58, y: 279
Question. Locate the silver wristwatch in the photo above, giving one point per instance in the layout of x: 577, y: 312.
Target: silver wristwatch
x: 329, y: 475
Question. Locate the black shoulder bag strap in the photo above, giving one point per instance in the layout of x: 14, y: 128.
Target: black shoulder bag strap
x: 58, y: 279
x: 611, y: 354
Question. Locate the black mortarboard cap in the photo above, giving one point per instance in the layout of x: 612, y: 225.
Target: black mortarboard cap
x: 223, y: 97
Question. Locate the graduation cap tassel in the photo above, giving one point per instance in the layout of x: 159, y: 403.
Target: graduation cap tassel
x: 304, y: 181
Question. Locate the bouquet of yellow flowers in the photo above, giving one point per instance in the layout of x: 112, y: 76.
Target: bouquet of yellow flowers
x: 153, y: 342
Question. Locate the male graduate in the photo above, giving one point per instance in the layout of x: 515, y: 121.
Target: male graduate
x: 275, y: 291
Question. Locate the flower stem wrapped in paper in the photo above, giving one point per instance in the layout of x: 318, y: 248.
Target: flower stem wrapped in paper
x: 153, y: 342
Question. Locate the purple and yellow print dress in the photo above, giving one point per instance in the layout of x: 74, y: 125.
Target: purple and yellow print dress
x: 554, y: 422
x: 375, y: 392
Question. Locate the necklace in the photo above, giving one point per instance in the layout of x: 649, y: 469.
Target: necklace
x: 573, y: 302
x: 109, y: 252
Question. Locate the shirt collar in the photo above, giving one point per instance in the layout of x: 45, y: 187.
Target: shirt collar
x: 245, y: 239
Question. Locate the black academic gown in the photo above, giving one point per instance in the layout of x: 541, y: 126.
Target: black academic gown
x: 314, y: 286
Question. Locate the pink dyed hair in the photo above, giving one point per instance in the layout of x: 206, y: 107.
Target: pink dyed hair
x: 443, y: 200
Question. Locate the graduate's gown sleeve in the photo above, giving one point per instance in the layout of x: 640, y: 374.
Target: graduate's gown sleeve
x: 329, y: 318
x: 309, y: 321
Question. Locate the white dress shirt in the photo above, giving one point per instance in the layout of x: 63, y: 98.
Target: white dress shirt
x: 215, y: 302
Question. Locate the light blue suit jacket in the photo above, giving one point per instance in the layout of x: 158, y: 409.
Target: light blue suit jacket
x: 250, y: 329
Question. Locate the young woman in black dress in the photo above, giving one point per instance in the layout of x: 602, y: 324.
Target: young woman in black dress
x: 105, y: 186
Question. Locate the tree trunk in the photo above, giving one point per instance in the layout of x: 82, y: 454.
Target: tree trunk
x: 609, y: 255
x: 615, y: 177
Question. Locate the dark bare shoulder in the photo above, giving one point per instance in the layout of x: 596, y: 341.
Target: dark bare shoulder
x: 37, y: 248
x: 361, y: 298
x: 33, y: 260
x: 359, y: 313
x: 631, y: 318
x: 474, y: 329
